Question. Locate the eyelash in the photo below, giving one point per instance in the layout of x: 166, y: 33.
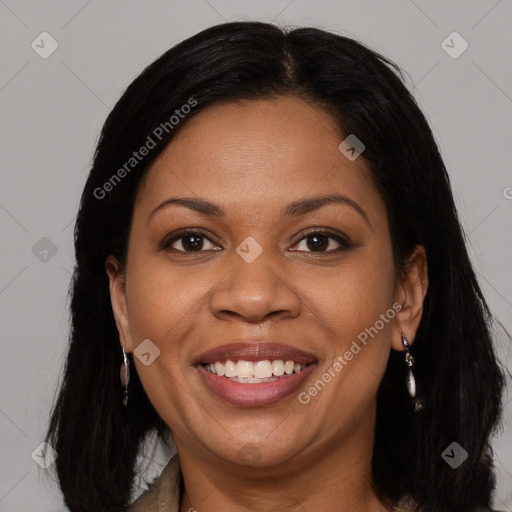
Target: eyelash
x: 342, y: 240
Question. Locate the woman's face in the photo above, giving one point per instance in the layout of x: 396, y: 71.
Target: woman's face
x: 265, y: 261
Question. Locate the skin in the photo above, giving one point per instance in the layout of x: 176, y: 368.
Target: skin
x: 250, y: 159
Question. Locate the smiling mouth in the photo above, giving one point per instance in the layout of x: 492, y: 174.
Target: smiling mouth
x: 254, y: 373
x: 257, y: 372
x: 251, y: 391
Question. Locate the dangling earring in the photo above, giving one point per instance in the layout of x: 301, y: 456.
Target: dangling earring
x: 411, y: 381
x: 125, y: 378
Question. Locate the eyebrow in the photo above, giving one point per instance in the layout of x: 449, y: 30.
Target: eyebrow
x: 293, y: 209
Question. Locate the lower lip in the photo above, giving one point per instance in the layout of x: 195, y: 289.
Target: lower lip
x: 254, y: 395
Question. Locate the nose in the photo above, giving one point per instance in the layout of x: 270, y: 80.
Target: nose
x: 255, y: 291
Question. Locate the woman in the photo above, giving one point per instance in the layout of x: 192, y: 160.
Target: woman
x: 268, y: 247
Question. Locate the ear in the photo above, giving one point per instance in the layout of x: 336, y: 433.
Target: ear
x: 410, y: 293
x: 117, y: 285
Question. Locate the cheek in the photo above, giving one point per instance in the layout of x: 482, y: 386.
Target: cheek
x: 351, y: 297
x: 161, y: 301
x: 349, y: 313
x: 161, y: 309
x: 354, y: 310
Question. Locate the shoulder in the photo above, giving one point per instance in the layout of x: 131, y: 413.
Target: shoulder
x: 163, y: 493
x: 405, y: 504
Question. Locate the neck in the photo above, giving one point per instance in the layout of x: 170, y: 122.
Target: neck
x: 336, y: 477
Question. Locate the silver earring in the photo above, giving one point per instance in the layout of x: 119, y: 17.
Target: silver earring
x: 125, y: 378
x: 410, y: 380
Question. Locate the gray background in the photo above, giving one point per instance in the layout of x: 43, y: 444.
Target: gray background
x: 52, y: 111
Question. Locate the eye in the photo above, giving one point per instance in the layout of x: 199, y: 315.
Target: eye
x: 188, y: 241
x: 319, y: 241
x: 316, y: 241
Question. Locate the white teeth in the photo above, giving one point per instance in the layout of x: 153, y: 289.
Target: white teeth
x: 251, y: 380
x: 229, y: 369
x: 277, y: 367
x: 260, y: 371
x: 244, y: 369
x: 219, y: 368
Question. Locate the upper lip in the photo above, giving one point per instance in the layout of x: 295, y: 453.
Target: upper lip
x: 250, y: 350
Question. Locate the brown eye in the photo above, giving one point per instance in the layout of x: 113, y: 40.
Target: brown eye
x: 189, y: 241
x: 322, y: 242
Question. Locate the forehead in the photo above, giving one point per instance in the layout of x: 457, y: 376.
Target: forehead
x: 256, y: 153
